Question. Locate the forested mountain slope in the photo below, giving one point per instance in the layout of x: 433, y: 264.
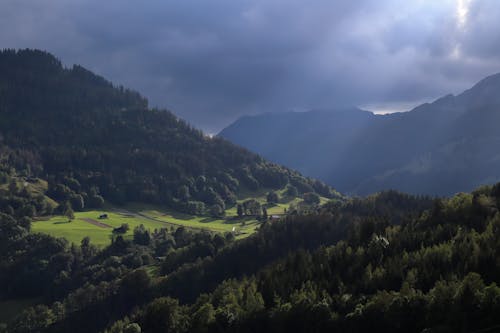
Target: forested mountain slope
x: 93, y: 141
x: 386, y: 263
x: 441, y: 148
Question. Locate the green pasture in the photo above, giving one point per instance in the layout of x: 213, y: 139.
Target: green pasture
x: 153, y: 217
x: 77, y: 229
x: 135, y: 215
x: 243, y: 226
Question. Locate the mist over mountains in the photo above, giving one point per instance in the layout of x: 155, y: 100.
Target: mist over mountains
x: 438, y: 148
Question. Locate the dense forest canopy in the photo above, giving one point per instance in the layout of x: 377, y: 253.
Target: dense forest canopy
x: 387, y: 263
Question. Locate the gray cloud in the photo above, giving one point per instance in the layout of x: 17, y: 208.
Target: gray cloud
x: 212, y: 61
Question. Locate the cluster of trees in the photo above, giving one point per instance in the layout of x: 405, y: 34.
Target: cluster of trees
x: 17, y: 201
x: 26, y: 197
x: 350, y: 267
x: 94, y: 141
x: 69, y: 192
x: 250, y: 207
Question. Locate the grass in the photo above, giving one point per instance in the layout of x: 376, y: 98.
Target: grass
x: 78, y: 229
x: 135, y: 215
x: 243, y: 226
x: 153, y: 217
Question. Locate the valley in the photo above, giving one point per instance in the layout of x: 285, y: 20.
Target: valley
x: 116, y: 217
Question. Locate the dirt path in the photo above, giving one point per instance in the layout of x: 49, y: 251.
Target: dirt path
x: 94, y: 222
x: 138, y: 214
x: 127, y: 213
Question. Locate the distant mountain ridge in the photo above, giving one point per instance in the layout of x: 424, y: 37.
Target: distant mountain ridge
x: 438, y: 148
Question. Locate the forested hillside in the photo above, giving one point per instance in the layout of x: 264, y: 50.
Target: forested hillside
x: 93, y: 142
x: 387, y: 263
x: 438, y: 148
x: 70, y: 140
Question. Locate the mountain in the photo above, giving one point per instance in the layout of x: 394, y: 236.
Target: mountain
x: 93, y: 141
x: 438, y: 148
x: 387, y: 262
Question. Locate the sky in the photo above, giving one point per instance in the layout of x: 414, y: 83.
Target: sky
x: 212, y: 61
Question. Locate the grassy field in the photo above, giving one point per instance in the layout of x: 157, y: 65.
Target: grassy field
x: 153, y: 217
x: 77, y: 229
x: 135, y: 215
x: 198, y: 222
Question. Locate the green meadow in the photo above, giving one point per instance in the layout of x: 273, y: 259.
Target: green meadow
x: 77, y: 229
x: 242, y: 226
x: 135, y: 215
x: 153, y: 217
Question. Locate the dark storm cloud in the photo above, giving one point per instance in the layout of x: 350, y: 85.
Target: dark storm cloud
x: 212, y: 61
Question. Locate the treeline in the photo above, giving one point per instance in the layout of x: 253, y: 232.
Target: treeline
x: 91, y: 139
x: 189, y: 264
x: 336, y: 271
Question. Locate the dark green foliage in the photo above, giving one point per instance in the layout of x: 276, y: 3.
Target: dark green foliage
x: 164, y: 315
x: 77, y: 202
x: 291, y: 191
x: 217, y: 211
x: 121, y: 230
x: 192, y: 207
x: 239, y: 210
x: 22, y: 203
x: 141, y: 235
x: 311, y: 198
x: 349, y: 269
x: 272, y: 197
x: 252, y: 207
x: 69, y: 213
x: 95, y: 201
